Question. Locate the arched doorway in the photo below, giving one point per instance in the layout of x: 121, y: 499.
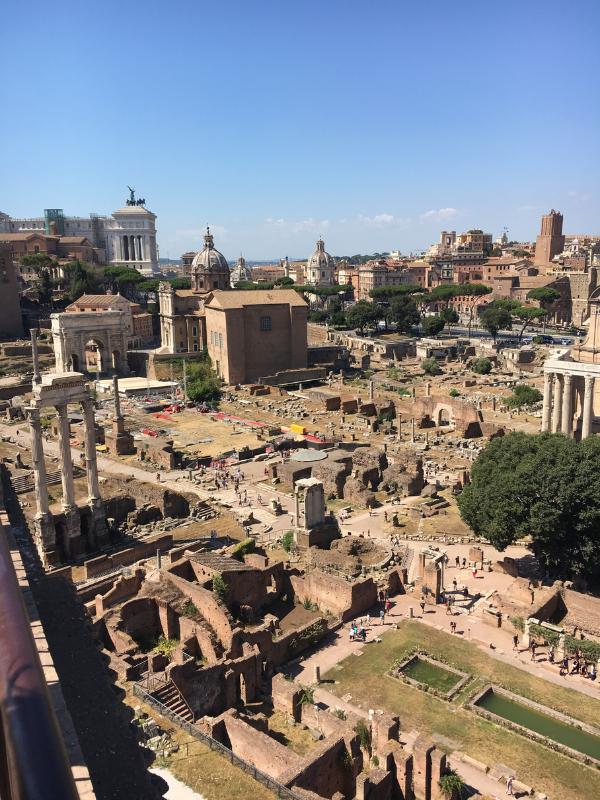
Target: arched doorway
x: 115, y: 360
x: 93, y: 357
x: 443, y: 417
x: 74, y: 362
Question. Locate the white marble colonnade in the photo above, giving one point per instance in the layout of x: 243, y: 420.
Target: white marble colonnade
x: 562, y: 388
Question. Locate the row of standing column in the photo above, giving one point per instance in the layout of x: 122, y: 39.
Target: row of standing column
x: 66, y: 463
x: 558, y: 407
x: 133, y: 248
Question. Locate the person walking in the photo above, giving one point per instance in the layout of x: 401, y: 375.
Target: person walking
x: 382, y: 617
x: 516, y: 642
x: 509, y: 785
x: 533, y: 648
x: 422, y: 604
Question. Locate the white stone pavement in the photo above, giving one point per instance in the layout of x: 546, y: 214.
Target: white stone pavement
x: 177, y: 789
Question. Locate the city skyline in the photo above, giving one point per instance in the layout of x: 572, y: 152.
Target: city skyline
x: 276, y: 125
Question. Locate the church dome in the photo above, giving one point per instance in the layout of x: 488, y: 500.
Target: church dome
x: 209, y: 259
x: 320, y: 266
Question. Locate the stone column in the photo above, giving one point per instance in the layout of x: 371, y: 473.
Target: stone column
x: 588, y: 407
x: 567, y: 406
x: 557, y: 404
x: 117, y: 399
x: 399, y: 427
x: 39, y: 465
x: 547, y: 407
x: 90, y: 451
x: 371, y: 390
x: 45, y: 532
x: 412, y: 430
x: 66, y: 464
x: 34, y: 356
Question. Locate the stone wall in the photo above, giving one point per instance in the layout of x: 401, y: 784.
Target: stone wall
x: 335, y: 595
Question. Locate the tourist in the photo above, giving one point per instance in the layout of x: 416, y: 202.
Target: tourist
x: 382, y: 617
x: 516, y: 642
x: 592, y: 671
x: 381, y: 596
x: 584, y: 669
x: 362, y: 633
x: 464, y: 563
x: 368, y: 619
x: 448, y: 609
x: 509, y: 785
x: 474, y: 571
x: 388, y: 606
x: 466, y: 592
x: 351, y: 633
x: 453, y: 627
x: 532, y: 647
x: 564, y: 666
x: 422, y: 604
x: 551, y: 655
x: 454, y: 584
x: 576, y: 666
x: 457, y: 562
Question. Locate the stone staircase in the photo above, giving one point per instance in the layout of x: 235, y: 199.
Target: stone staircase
x: 25, y: 483
x: 170, y: 697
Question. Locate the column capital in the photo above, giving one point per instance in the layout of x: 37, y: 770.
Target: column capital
x: 589, y: 382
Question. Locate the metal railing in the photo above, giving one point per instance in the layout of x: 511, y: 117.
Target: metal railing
x: 33, y: 759
x: 278, y: 789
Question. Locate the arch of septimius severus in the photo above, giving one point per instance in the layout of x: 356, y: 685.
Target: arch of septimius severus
x: 63, y: 537
x: 572, y: 384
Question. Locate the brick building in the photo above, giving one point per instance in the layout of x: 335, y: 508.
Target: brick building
x: 253, y: 334
x: 11, y: 324
x: 551, y: 241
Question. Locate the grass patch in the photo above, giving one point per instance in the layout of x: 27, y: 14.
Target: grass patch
x: 547, y: 771
x: 437, y: 677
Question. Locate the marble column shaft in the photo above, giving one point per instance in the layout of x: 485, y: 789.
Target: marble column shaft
x: 66, y: 464
x: 90, y: 452
x: 547, y: 407
x: 557, y: 403
x: 588, y: 407
x: 567, y: 406
x: 39, y: 465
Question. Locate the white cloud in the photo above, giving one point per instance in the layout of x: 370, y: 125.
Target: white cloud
x: 440, y: 214
x: 298, y: 226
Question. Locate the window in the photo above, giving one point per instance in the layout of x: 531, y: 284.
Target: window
x: 265, y: 323
x: 194, y: 331
x: 220, y: 340
x: 195, y: 347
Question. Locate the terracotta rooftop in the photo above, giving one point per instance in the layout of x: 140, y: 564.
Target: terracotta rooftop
x: 100, y: 300
x: 254, y: 297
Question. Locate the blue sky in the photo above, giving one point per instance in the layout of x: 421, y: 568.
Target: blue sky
x: 375, y: 124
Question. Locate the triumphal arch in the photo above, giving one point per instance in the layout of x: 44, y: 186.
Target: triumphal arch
x: 90, y: 341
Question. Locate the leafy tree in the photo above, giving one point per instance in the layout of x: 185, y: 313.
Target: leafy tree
x: 524, y: 395
x: 37, y: 261
x: 431, y: 366
x: 242, y: 548
x: 307, y: 696
x: 203, y: 385
x: 482, y: 366
x: 546, y: 487
x: 496, y: 319
x: 284, y: 281
x: 388, y: 292
x: 546, y: 296
x: 404, y: 313
x: 287, y: 541
x: 454, y: 393
x: 474, y: 290
x: 527, y: 314
x: 317, y: 316
x: 449, y: 316
x: 452, y: 785
x: 432, y: 326
x: 79, y: 279
x: 219, y: 587
x: 45, y: 287
x: 362, y: 315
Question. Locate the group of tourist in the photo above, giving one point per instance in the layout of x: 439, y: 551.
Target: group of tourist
x: 575, y: 664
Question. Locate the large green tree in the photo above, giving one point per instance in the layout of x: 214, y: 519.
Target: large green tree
x: 363, y: 315
x: 495, y: 319
x: 432, y: 326
x: 546, y: 487
x: 404, y: 313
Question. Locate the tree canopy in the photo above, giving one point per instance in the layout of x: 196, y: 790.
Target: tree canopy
x: 403, y: 312
x: 432, y: 326
x: 546, y: 487
x: 523, y: 395
x: 495, y: 319
x: 363, y: 315
x: 387, y: 292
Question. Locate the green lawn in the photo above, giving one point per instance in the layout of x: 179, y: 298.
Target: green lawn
x: 364, y: 677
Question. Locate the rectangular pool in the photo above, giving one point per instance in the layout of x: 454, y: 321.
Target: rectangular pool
x: 424, y: 671
x: 543, y: 724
